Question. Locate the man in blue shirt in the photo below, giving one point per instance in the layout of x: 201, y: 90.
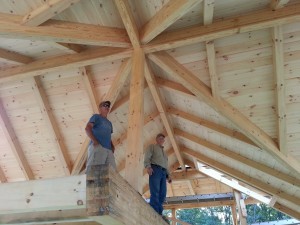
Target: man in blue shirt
x: 99, y: 130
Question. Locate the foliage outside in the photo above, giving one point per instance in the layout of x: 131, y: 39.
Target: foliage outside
x: 222, y: 215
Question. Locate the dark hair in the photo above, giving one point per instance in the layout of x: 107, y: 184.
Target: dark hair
x: 160, y: 135
x: 104, y: 103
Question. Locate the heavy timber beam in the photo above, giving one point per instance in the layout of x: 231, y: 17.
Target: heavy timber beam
x: 65, y: 32
x: 102, y: 196
x: 261, y: 19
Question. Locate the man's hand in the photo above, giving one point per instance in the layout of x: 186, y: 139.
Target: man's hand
x: 149, y: 171
x: 95, y: 143
x: 169, y: 180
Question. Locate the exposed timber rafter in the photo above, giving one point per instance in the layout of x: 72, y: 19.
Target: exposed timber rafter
x: 14, y: 143
x: 52, y: 126
x: 167, y: 15
x: 61, y: 31
x: 241, y: 176
x: 277, y: 4
x: 163, y: 111
x: 211, y: 125
x: 255, y: 21
x: 278, y: 64
x: 191, y: 82
x: 239, y: 158
x: 128, y: 21
x: 88, y: 57
x: 46, y: 11
x: 14, y: 56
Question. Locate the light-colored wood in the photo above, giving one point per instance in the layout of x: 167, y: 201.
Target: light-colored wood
x: 49, y: 118
x: 239, y: 158
x: 15, y: 57
x: 68, y: 47
x: 81, y: 158
x: 273, y: 201
x: 237, y: 196
x: 89, y: 87
x: 187, y: 175
x: 278, y: 64
x: 258, y: 136
x: 212, y: 68
x: 3, y: 178
x: 286, y: 210
x: 118, y: 82
x: 231, y: 183
x: 234, y: 214
x: 208, y: 11
x: 66, y: 32
x: 85, y: 58
x: 134, y: 151
x: 167, y: 15
x: 210, y: 125
x: 128, y: 21
x: 246, y: 23
x: 241, y: 176
x: 277, y: 4
x: 27, y: 201
x: 173, y: 216
x: 192, y: 191
x: 163, y: 112
x: 46, y: 11
x: 14, y: 143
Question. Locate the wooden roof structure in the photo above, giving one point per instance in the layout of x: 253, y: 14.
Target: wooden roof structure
x: 221, y: 79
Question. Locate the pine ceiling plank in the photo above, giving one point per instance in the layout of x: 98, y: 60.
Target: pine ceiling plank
x: 242, y: 159
x: 211, y: 125
x: 128, y: 21
x: 14, y: 143
x: 52, y: 126
x: 46, y: 11
x: 277, y: 4
x: 118, y: 81
x: 190, y: 81
x: 278, y: 65
x: 241, y: 176
x: 133, y: 168
x: 166, y: 16
x: 163, y: 111
x: 58, y: 63
x: 62, y: 31
x: 189, y: 184
x: 15, y: 57
x: 3, y: 178
x: 255, y: 21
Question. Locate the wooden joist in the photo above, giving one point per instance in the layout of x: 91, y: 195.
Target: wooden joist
x: 14, y: 56
x: 261, y: 19
x: 61, y: 31
x: 58, y: 63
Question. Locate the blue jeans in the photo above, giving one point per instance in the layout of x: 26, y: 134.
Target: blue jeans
x: 158, y: 188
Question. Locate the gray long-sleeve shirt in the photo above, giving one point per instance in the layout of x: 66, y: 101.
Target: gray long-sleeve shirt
x: 155, y: 155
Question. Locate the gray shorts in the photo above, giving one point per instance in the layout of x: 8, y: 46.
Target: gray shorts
x: 98, y: 156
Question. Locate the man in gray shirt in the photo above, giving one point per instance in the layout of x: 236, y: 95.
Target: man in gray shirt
x: 156, y: 163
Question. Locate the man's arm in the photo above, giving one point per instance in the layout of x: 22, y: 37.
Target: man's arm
x: 89, y: 132
x: 112, y: 146
x: 147, y: 160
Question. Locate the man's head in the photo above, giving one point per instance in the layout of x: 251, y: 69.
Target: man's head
x: 160, y: 139
x: 104, y: 108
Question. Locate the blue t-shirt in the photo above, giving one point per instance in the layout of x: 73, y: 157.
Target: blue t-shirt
x: 102, y: 130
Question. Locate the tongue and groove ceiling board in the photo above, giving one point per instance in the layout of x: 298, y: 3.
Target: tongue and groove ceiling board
x: 221, y: 79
